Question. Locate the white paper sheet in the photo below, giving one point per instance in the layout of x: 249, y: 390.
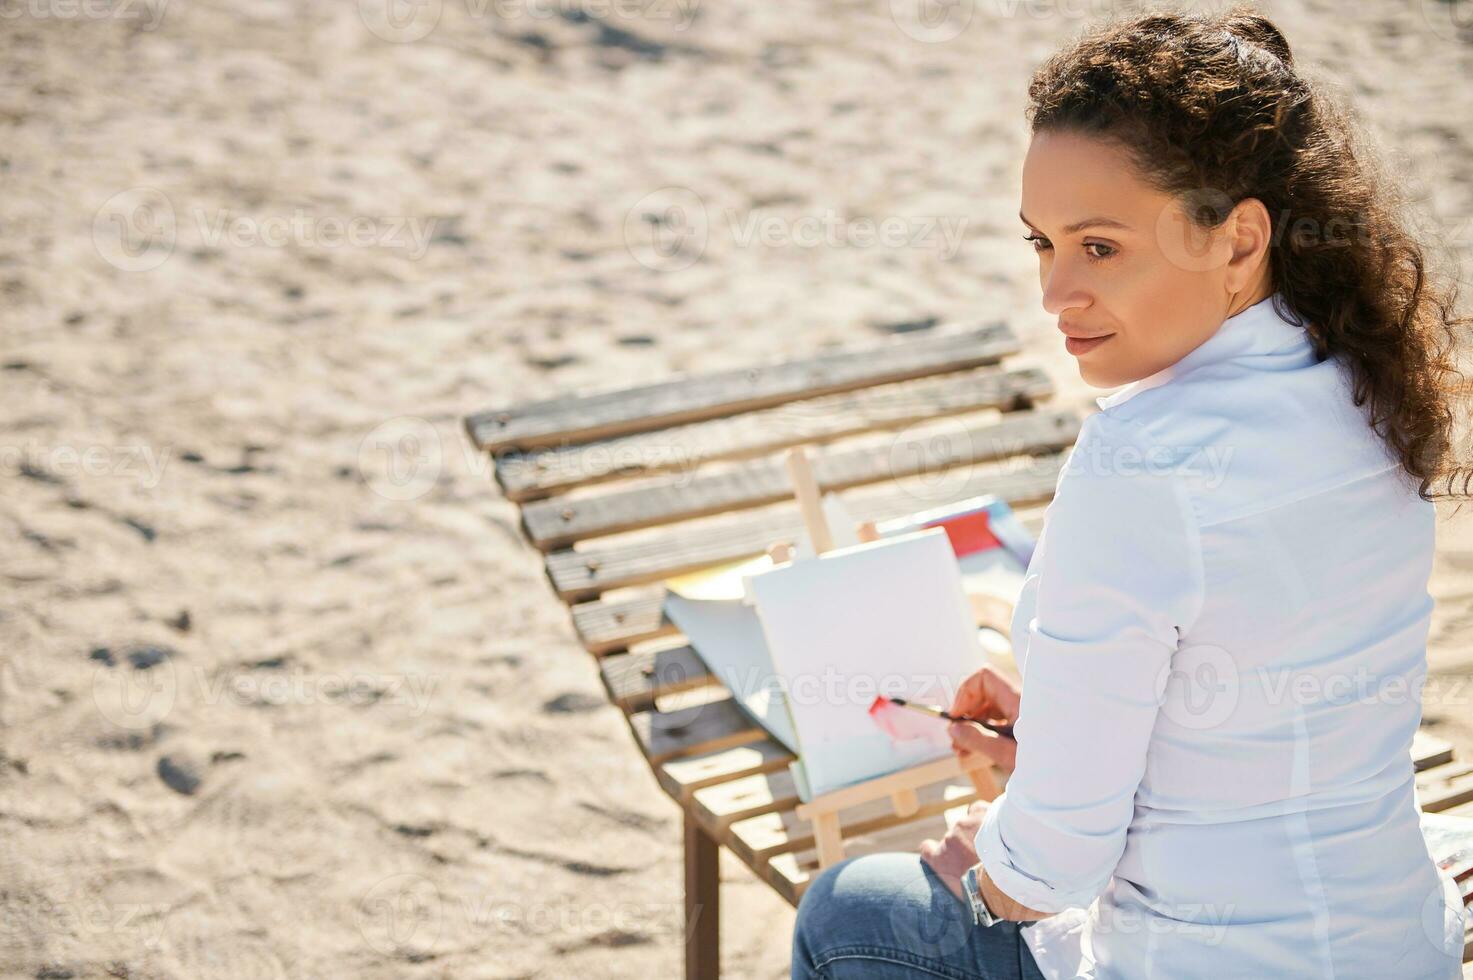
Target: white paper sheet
x: 728, y: 636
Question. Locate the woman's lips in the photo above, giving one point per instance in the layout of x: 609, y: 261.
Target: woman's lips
x: 1078, y: 346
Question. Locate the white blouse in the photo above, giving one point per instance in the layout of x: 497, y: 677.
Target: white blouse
x: 1222, y: 637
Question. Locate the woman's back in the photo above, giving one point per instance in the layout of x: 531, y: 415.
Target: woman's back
x: 1274, y: 830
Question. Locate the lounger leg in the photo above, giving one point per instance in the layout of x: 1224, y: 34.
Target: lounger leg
x: 702, y: 904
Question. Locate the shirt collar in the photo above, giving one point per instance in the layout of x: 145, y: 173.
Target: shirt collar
x: 1258, y: 329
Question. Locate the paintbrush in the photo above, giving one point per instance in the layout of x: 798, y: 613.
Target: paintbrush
x: 936, y: 711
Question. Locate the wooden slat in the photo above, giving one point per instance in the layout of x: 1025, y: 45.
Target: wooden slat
x: 718, y: 807
x: 579, y: 418
x: 1428, y: 750
x: 560, y: 522
x: 1444, y: 787
x: 608, y: 625
x: 681, y: 778
x: 664, y: 735
x: 584, y: 572
x: 635, y: 679
x: 544, y: 472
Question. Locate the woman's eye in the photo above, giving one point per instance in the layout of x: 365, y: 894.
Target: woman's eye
x: 1041, y: 244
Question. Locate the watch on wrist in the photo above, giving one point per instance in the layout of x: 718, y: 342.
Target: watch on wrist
x: 972, y: 885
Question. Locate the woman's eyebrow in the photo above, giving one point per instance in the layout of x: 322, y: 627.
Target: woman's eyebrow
x: 1097, y: 222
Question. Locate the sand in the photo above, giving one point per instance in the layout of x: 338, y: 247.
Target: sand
x: 271, y: 709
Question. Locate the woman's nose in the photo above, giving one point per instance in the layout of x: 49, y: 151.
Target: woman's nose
x: 1062, y: 288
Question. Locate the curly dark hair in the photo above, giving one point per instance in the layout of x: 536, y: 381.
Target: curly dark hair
x: 1211, y: 109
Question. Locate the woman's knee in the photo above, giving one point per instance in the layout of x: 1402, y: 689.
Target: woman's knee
x: 887, y: 901
x: 869, y: 898
x: 822, y: 909
x: 832, y: 913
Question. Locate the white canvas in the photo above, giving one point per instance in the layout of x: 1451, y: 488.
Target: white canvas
x: 885, y: 617
x: 710, y: 607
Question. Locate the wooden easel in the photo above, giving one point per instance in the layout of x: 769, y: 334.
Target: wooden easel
x: 900, y: 787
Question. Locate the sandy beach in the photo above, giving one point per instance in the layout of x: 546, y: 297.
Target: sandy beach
x: 275, y: 706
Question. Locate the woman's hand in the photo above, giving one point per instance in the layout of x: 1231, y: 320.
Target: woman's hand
x: 951, y: 856
x: 991, y: 696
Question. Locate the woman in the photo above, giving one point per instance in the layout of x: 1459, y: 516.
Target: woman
x: 1222, y: 630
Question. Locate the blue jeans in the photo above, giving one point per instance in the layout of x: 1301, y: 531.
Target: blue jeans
x: 889, y: 916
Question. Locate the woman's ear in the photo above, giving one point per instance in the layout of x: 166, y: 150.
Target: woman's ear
x: 1250, y: 231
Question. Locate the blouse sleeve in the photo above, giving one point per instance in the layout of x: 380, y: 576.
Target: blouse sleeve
x: 1119, y: 579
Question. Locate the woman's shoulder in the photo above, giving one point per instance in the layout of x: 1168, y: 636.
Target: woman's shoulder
x: 1113, y: 446
x: 1120, y: 471
x: 1262, y: 400
x: 1243, y: 440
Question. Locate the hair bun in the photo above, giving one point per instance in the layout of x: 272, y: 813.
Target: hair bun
x: 1261, y: 31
